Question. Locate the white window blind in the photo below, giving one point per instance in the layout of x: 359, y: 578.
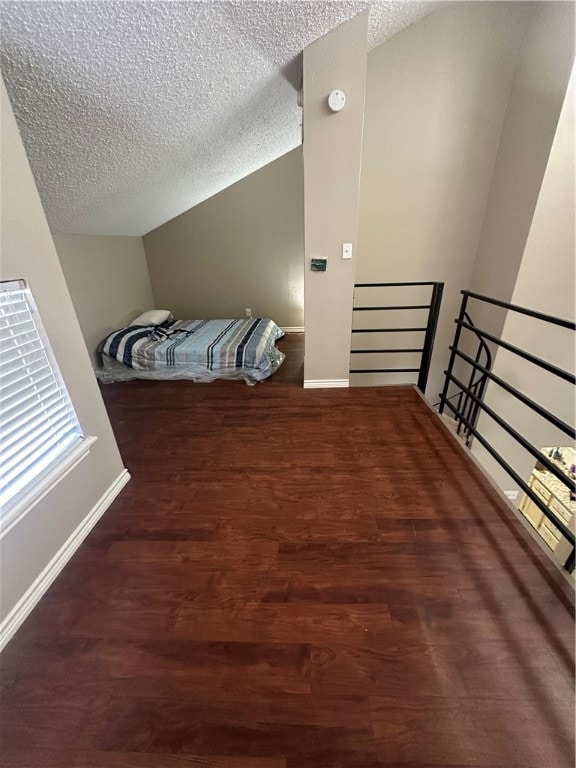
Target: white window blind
x: 38, y: 425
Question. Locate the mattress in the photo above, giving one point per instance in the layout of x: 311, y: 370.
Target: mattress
x: 200, y: 350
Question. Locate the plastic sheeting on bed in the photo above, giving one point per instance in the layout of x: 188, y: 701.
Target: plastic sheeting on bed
x: 113, y: 371
x: 197, y: 350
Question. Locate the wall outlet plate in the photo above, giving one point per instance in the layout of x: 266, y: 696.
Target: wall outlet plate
x: 318, y: 265
x: 512, y: 495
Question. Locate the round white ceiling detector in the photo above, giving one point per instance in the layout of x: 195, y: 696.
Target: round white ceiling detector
x: 336, y: 100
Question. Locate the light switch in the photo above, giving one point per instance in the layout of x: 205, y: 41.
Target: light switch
x: 346, y: 250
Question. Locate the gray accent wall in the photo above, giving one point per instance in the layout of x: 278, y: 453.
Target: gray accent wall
x: 108, y: 281
x: 242, y: 248
x: 332, y: 157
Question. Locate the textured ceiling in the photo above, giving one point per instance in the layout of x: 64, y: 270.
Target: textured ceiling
x: 132, y: 112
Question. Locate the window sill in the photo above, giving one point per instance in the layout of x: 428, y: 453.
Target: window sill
x: 50, y: 480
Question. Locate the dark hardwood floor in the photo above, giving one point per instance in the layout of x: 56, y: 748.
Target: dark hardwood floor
x: 294, y: 579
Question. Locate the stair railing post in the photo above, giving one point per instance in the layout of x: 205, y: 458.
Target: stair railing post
x: 448, y: 372
x: 431, y: 326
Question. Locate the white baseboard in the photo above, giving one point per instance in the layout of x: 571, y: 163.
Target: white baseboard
x: 325, y: 383
x: 295, y: 329
x: 33, y: 594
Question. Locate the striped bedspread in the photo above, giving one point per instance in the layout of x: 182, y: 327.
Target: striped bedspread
x: 216, y: 348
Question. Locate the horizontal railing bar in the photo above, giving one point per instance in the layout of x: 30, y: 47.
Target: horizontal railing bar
x: 404, y: 306
x: 514, y: 475
x: 521, y: 353
x: 523, y: 310
x: 385, y: 330
x: 384, y: 370
x: 383, y: 351
x: 386, y: 285
x: 550, y: 417
x: 538, y: 455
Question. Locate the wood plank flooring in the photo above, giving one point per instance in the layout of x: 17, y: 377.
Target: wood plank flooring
x: 294, y: 579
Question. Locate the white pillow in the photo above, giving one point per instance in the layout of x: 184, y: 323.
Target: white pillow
x: 153, y: 317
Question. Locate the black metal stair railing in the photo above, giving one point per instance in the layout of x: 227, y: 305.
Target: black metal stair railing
x: 429, y: 330
x: 477, y: 386
x: 471, y: 405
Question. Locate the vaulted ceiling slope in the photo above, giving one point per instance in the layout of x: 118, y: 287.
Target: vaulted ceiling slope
x: 132, y: 112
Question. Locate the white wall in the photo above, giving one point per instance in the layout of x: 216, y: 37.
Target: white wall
x: 108, y: 281
x: 545, y: 283
x: 28, y: 252
x: 436, y: 100
x: 536, y: 98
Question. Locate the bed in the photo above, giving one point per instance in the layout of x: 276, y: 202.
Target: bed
x: 200, y: 350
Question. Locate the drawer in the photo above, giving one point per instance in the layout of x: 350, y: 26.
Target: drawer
x: 532, y: 513
x: 524, y: 503
x: 559, y: 509
x: 547, y: 531
x: 541, y: 491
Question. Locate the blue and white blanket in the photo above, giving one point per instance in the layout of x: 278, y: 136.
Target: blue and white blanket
x: 204, y: 349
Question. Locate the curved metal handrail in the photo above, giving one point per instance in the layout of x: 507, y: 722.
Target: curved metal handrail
x: 477, y: 386
x: 468, y: 408
x: 483, y: 344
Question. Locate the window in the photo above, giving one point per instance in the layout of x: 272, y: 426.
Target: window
x: 39, y: 428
